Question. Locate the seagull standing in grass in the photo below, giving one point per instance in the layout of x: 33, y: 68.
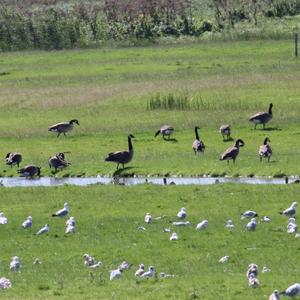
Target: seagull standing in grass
x: 182, y: 213
x: 124, y: 265
x: 290, y: 211
x: 202, y: 225
x: 27, y: 223
x: 249, y: 214
x: 265, y: 219
x: 174, y: 237
x: 253, y: 281
x: 15, y: 264
x: 70, y: 225
x: 148, y: 218
x: 140, y: 271
x: 62, y: 212
x: 3, y: 219
x: 115, y: 274
x: 44, y: 229
x: 292, y: 226
x: 275, y: 296
x: 292, y: 291
x: 150, y: 273
x: 229, y: 224
x: 224, y: 259
x: 251, y: 226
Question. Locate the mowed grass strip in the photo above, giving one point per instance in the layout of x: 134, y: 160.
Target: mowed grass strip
x: 108, y: 91
x: 107, y: 218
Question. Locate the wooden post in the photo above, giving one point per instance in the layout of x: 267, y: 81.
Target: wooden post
x: 296, y: 44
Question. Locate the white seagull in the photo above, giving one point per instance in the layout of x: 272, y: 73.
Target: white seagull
x: 148, y: 218
x: 27, y: 223
x: 70, y: 229
x: 290, y: 211
x: 44, y: 229
x: 62, y: 212
x: 15, y: 263
x: 253, y: 281
x: 5, y: 283
x: 251, y: 226
x: 182, y: 213
x: 249, y: 214
x: 229, y: 224
x: 115, y: 274
x: 265, y: 269
x: 3, y: 219
x: 124, y: 265
x: 71, y: 222
x: 181, y: 223
x: 224, y: 259
x: 292, y: 291
x: 174, y: 237
x: 97, y: 265
x: 265, y: 219
x: 292, y: 226
x: 275, y: 296
x: 202, y: 225
x: 140, y: 271
x: 149, y: 273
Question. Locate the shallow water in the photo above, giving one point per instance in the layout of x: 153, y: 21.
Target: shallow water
x: 84, y: 181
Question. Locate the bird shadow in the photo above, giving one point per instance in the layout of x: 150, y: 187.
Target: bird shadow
x: 171, y: 140
x: 269, y: 129
x: 228, y: 140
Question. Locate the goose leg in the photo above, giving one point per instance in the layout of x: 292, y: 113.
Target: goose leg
x: 58, y: 134
x: 118, y: 166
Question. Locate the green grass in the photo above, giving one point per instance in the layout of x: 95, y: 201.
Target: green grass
x: 109, y: 90
x: 107, y: 220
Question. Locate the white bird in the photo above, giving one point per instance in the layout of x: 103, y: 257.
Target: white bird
x: 148, y: 218
x: 97, y: 265
x: 15, y: 263
x: 140, y: 271
x: 265, y: 219
x: 252, y: 269
x: 124, y: 265
x: 62, y: 212
x: 224, y: 259
x: 251, y: 226
x: 253, y: 281
x: 166, y: 229
x: 290, y: 211
x: 249, y: 214
x: 149, y: 273
x: 164, y: 275
x: 292, y: 226
x: 27, y: 223
x: 115, y: 274
x: 292, y: 291
x: 174, y: 237
x: 265, y: 269
x: 71, y: 222
x: 88, y: 260
x: 70, y: 229
x: 181, y: 223
x: 44, y: 229
x: 5, y: 283
x: 182, y: 213
x: 3, y: 219
x: 202, y: 225
x: 297, y: 235
x: 229, y: 224
x: 275, y: 296
x: 37, y: 261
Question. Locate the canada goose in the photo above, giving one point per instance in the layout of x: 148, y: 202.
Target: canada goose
x: 122, y: 157
x: 198, y: 145
x: 58, y: 161
x: 225, y: 130
x: 262, y: 117
x: 265, y: 150
x: 165, y: 130
x: 30, y: 171
x: 63, y: 127
x: 13, y: 158
x: 232, y: 153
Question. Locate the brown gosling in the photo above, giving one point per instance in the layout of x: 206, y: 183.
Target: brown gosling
x: 262, y: 117
x: 122, y: 157
x: 265, y: 150
x: 232, y: 153
x: 63, y: 127
x: 225, y: 131
x: 198, y: 145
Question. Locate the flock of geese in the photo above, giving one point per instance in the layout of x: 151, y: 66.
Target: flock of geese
x: 58, y: 161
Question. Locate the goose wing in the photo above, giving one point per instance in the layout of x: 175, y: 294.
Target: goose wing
x: 230, y: 153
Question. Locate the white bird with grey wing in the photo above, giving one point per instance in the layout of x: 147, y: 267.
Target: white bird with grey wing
x: 290, y: 211
x: 27, y: 223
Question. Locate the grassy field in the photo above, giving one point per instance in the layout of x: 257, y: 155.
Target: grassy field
x: 107, y: 221
x: 108, y: 90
